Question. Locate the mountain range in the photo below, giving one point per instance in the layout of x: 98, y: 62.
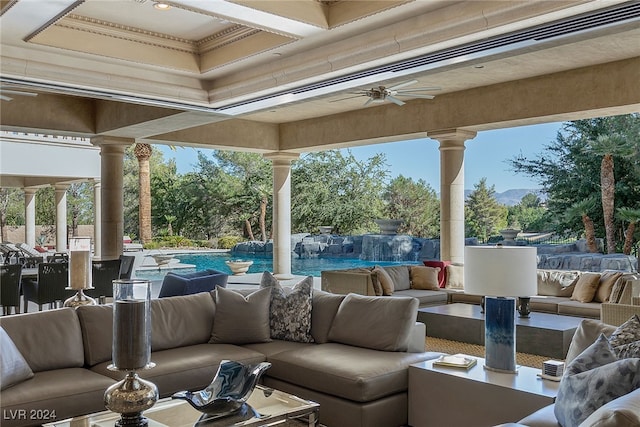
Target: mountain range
x: 513, y: 196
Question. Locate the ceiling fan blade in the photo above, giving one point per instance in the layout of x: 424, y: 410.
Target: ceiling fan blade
x: 403, y: 84
x: 18, y: 92
x: 5, y: 98
x: 419, y: 95
x: 369, y: 101
x: 394, y: 100
x: 348, y: 97
x: 419, y: 89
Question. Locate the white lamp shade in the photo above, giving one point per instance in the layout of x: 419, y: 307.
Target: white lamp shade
x: 500, y: 271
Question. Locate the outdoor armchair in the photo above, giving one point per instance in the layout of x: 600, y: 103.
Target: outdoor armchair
x: 50, y: 287
x: 10, y: 275
x: 175, y: 284
x: 103, y: 273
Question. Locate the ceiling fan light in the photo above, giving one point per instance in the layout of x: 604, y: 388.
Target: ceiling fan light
x: 161, y: 5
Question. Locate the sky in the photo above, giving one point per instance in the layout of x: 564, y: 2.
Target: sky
x: 485, y: 156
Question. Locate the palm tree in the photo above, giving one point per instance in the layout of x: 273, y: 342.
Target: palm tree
x: 613, y: 141
x: 582, y: 209
x: 143, y: 153
x: 632, y: 216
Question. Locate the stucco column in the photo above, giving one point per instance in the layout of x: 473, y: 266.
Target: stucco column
x: 111, y: 200
x: 61, y: 217
x: 97, y: 219
x: 30, y: 216
x: 452, y: 192
x: 282, y: 212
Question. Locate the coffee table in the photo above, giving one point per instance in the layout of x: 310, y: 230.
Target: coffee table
x: 456, y: 397
x: 543, y: 334
x: 278, y: 409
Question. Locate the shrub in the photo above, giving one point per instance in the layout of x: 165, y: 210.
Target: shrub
x: 228, y: 242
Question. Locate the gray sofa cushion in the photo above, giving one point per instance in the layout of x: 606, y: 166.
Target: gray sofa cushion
x: 325, y: 307
x: 580, y: 309
x: 181, y: 321
x: 375, y: 322
x: 13, y: 368
x: 96, y: 332
x: 424, y: 297
x: 71, y: 392
x: 187, y: 368
x: 240, y: 319
x: 54, y: 340
x: 353, y: 373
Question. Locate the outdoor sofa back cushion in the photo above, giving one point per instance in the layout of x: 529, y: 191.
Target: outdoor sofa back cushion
x: 375, y: 322
x: 586, y: 334
x: 48, y: 340
x: 400, y: 277
x: 556, y: 283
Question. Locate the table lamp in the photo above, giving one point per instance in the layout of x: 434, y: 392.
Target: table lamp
x: 500, y: 273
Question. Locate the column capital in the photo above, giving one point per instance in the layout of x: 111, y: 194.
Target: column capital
x: 452, y: 137
x: 102, y: 141
x: 281, y: 155
x: 29, y: 190
x: 60, y: 187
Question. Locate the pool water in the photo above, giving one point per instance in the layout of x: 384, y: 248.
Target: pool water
x: 299, y: 266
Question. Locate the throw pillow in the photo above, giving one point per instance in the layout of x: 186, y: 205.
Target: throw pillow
x: 586, y: 287
x: 290, y: 310
x: 620, y: 412
x: 586, y: 334
x: 384, y: 279
x: 13, y: 367
x: 593, y: 379
x: 424, y: 277
x: 239, y: 319
x: 374, y: 322
x: 442, y: 276
x: 607, y: 280
x: 455, y: 276
x: 556, y: 283
x: 617, y: 290
x: 400, y: 276
x: 626, y: 333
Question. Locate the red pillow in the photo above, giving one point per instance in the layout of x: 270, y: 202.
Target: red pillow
x: 442, y: 275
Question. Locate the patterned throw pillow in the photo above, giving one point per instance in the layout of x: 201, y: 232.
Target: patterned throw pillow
x: 625, y: 340
x: 290, y: 312
x: 593, y: 379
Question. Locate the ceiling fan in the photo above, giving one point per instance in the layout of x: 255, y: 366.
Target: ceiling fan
x: 7, y: 90
x: 382, y: 93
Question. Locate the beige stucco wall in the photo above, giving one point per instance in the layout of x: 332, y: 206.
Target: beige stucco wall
x: 16, y: 234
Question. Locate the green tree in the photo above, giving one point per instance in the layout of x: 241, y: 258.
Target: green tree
x: 581, y: 210
x: 11, y: 209
x: 334, y: 188
x: 484, y: 215
x: 631, y: 217
x: 80, y: 205
x: 529, y: 214
x: 569, y: 171
x: 414, y: 202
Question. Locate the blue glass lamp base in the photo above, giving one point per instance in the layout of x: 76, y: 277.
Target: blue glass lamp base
x: 500, y: 334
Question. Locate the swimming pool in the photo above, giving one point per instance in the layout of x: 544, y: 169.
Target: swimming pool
x: 299, y: 266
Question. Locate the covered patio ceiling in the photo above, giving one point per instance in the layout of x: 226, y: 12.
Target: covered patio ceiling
x: 269, y: 76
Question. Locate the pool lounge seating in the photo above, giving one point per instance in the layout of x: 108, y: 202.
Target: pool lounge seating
x: 557, y: 292
x: 129, y: 246
x: 69, y: 350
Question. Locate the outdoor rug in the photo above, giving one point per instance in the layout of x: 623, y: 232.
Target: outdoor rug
x: 453, y: 347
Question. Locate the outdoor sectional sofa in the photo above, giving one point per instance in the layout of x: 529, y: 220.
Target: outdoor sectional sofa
x: 555, y: 287
x: 356, y: 368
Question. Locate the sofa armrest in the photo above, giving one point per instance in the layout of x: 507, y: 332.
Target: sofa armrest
x: 346, y: 282
x: 617, y: 314
x: 417, y: 338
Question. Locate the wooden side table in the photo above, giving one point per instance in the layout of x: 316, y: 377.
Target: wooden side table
x: 441, y: 396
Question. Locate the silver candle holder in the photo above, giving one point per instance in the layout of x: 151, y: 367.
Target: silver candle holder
x: 80, y: 271
x: 131, y: 351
